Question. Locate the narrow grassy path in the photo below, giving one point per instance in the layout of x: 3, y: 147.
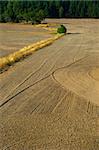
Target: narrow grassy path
x: 22, y: 53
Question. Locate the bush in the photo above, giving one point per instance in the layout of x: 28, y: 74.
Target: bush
x: 62, y: 29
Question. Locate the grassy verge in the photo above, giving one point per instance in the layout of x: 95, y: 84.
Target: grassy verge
x: 16, y: 56
x: 49, y: 27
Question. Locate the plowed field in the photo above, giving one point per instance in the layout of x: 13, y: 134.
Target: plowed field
x: 50, y: 100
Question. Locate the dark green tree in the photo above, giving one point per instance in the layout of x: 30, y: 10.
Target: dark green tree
x: 61, y: 12
x: 36, y: 11
x: 10, y: 11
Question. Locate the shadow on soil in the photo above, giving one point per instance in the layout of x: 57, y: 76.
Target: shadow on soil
x: 74, y: 33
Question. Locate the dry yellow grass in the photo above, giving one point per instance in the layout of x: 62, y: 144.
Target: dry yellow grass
x: 16, y: 56
x: 42, y: 25
x: 46, y: 25
x: 49, y: 27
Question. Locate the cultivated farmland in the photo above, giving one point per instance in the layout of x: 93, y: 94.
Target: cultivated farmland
x: 15, y: 36
x: 50, y: 100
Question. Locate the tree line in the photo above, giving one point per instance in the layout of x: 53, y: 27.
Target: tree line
x: 36, y: 11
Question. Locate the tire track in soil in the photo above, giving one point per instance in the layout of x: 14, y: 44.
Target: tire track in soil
x: 31, y: 74
x: 2, y: 104
x: 73, y: 118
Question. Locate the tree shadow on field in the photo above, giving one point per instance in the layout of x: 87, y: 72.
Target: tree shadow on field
x: 74, y: 33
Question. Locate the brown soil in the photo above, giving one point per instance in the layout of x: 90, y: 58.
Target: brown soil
x: 15, y: 36
x: 50, y: 101
x: 95, y: 74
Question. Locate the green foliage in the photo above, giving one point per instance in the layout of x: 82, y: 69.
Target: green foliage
x: 39, y: 16
x: 62, y: 29
x: 36, y: 11
x: 61, y: 12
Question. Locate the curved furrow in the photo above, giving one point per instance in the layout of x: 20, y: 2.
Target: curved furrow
x: 76, y: 78
x: 18, y: 81
x: 48, y: 66
x: 56, y: 107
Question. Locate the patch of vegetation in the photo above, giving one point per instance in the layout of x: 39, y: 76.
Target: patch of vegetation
x: 62, y: 29
x: 22, y: 53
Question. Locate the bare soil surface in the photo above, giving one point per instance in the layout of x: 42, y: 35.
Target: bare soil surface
x: 15, y: 36
x: 95, y: 73
x: 50, y: 101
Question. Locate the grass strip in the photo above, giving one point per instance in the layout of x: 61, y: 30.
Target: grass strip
x: 22, y: 53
